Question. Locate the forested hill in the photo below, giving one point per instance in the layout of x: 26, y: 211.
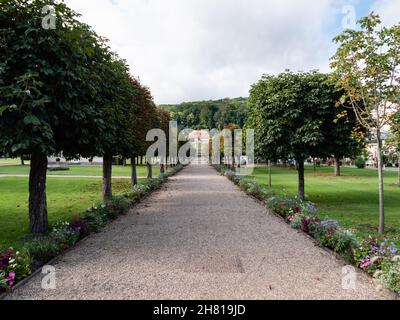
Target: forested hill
x: 209, y: 114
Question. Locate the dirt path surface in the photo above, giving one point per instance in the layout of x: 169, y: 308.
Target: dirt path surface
x: 199, y: 237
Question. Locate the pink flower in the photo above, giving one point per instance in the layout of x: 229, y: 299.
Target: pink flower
x: 290, y: 218
x: 365, y: 263
x: 11, y: 279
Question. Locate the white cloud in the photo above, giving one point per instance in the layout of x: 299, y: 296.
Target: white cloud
x: 203, y: 49
x: 389, y: 11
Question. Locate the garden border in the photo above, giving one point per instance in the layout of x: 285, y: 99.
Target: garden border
x: 21, y: 283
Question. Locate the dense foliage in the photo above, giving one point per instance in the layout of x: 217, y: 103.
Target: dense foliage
x: 296, y: 116
x: 63, y: 90
x: 209, y: 114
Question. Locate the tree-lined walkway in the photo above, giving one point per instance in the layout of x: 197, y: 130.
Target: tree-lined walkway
x: 199, y: 237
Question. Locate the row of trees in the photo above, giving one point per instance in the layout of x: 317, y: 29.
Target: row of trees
x: 318, y: 115
x: 63, y: 89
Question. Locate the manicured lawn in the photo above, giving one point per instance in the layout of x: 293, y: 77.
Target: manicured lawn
x: 65, y: 197
x: 81, y: 170
x: 352, y: 199
x: 9, y: 161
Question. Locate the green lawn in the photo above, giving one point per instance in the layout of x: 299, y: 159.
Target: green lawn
x: 65, y: 197
x: 81, y: 170
x: 352, y: 199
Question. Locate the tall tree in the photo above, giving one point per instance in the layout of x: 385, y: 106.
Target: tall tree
x: 47, y: 95
x: 145, y: 120
x: 119, y: 111
x: 367, y: 66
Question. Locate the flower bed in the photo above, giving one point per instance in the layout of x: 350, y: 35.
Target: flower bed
x: 379, y: 258
x: 15, y: 266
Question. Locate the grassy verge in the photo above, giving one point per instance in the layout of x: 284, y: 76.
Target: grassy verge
x: 351, y: 199
x: 65, y: 197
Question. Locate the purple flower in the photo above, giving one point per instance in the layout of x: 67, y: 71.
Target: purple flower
x: 4, y: 258
x: 11, y: 279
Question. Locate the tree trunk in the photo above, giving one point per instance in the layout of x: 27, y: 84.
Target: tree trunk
x: 149, y: 171
x: 300, y: 164
x: 22, y: 161
x: 134, y: 179
x: 336, y: 166
x: 107, y: 175
x: 162, y: 168
x: 269, y: 173
x: 381, y: 191
x: 124, y: 162
x: 141, y: 160
x: 38, y: 221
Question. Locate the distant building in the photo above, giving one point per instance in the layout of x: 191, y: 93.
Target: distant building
x: 61, y: 160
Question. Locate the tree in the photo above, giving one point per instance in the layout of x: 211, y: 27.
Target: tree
x: 47, y: 91
x: 145, y: 119
x: 294, y: 117
x: 163, y: 124
x: 116, y: 96
x: 366, y: 66
x: 344, y: 137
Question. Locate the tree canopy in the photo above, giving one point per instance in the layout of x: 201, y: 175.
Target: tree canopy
x: 295, y: 116
x: 209, y: 114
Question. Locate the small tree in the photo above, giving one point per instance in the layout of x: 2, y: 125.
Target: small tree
x: 366, y: 65
x: 294, y: 117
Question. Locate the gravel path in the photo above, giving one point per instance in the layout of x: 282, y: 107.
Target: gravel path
x: 199, y: 237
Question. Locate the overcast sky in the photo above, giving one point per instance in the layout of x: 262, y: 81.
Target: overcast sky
x: 187, y: 50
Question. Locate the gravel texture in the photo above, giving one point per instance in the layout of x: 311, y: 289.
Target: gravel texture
x: 199, y: 237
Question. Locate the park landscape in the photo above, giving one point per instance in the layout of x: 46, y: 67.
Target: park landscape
x: 312, y: 175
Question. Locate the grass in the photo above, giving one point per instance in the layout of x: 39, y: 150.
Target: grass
x: 80, y: 170
x: 65, y: 197
x: 351, y: 199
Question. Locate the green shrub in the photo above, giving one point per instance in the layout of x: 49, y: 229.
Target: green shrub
x: 284, y: 206
x: 95, y: 218
x: 42, y: 250
x: 64, y: 236
x: 116, y: 206
x: 360, y: 163
x: 390, y: 274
